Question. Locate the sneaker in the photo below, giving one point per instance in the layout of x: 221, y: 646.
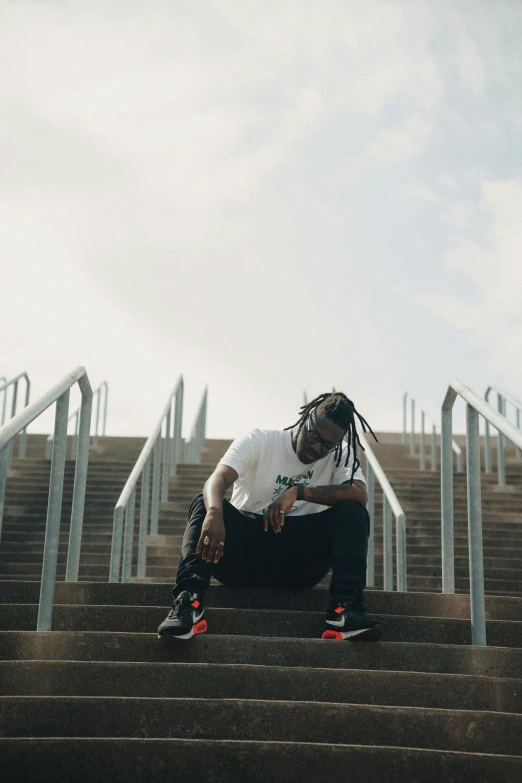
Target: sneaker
x: 185, y: 619
x: 347, y: 620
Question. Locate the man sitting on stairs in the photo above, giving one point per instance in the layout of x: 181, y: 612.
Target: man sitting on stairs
x: 298, y: 508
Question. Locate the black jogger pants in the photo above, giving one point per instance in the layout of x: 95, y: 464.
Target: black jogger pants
x: 300, y: 556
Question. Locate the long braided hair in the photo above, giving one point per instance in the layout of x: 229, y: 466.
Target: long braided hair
x: 337, y: 407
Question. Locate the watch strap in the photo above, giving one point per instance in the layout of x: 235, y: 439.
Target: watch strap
x: 300, y: 491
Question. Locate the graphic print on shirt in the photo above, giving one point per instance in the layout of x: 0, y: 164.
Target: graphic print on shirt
x: 285, y: 482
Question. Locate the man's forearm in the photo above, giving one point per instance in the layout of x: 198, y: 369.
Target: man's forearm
x: 214, y: 493
x: 332, y: 494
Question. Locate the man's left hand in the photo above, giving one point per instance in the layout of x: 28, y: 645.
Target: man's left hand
x: 275, y: 513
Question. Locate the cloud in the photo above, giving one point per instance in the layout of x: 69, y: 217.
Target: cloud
x: 489, y: 313
x: 459, y: 215
x: 391, y: 146
x: 416, y: 191
x: 174, y: 167
x: 470, y: 66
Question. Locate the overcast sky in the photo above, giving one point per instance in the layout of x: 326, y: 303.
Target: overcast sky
x: 264, y: 195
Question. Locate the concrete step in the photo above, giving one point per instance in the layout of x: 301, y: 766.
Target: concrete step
x: 239, y: 681
x: 255, y: 719
x: 492, y: 586
x: 420, y: 696
x: 495, y: 567
x: 377, y: 601
x: 430, y: 578
x: 137, y: 760
x: 505, y: 662
x: 35, y: 569
x: 260, y: 622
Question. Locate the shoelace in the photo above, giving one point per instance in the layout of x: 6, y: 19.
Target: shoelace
x: 178, y: 606
x: 351, y: 606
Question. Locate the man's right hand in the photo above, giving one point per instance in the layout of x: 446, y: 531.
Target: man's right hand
x: 214, y: 528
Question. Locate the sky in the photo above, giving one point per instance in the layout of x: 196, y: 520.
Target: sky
x: 267, y: 196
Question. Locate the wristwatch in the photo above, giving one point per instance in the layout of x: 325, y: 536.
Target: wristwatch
x: 300, y: 491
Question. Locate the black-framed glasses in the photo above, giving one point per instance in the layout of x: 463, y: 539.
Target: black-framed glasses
x: 313, y: 436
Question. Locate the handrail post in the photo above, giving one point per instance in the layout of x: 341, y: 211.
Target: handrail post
x: 501, y: 446
x: 106, y: 400
x: 518, y: 452
x: 446, y: 475
x: 4, y: 402
x: 166, y: 460
x: 54, y: 510
x: 74, y: 438
x: 154, y: 514
x: 412, y: 436
x: 387, y: 539
x: 96, y: 426
x: 400, y: 545
x: 80, y: 483
x: 203, y: 423
x: 370, y: 573
x: 460, y: 463
x: 128, y: 541
x: 178, y: 421
x: 487, y: 441
x: 14, y: 399
x: 3, y: 480
x: 144, y: 520
x: 115, y: 564
x: 404, y: 416
x: 433, y: 449
x: 422, y: 444
x: 476, y: 562
x: 14, y: 403
x: 22, y: 450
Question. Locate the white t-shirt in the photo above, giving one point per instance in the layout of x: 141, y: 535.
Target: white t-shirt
x: 267, y: 465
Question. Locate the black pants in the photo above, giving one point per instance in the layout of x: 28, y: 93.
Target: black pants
x: 300, y: 556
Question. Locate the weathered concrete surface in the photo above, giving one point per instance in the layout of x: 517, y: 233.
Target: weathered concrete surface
x: 268, y: 651
x: 247, y: 681
x: 233, y: 761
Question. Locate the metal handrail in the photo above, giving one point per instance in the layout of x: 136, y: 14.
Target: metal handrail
x: 192, y: 450
x: 165, y: 449
x: 422, y: 451
x: 502, y: 398
x: 76, y: 416
x: 391, y: 506
x: 3, y: 381
x: 59, y: 393
x: 22, y: 450
x: 105, y: 387
x: 475, y: 405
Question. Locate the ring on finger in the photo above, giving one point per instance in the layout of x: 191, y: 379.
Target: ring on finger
x: 221, y: 543
x: 206, y: 540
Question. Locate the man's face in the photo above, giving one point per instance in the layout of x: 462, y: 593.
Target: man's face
x: 318, y: 437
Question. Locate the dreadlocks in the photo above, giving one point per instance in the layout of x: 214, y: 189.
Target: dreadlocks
x: 337, y: 407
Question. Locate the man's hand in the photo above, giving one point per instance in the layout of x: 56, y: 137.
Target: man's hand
x: 214, y: 528
x: 275, y: 513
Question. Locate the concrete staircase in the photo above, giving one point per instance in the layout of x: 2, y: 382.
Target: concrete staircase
x: 419, y: 494
x: 260, y: 697
x: 25, y: 509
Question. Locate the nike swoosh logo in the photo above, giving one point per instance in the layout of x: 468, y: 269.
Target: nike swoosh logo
x: 355, y: 633
x: 195, y: 619
x: 340, y: 623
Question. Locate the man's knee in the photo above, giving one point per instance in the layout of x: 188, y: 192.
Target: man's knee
x: 349, y: 508
x: 351, y: 512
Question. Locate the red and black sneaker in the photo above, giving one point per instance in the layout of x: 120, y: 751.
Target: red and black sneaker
x: 346, y: 619
x: 185, y: 619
